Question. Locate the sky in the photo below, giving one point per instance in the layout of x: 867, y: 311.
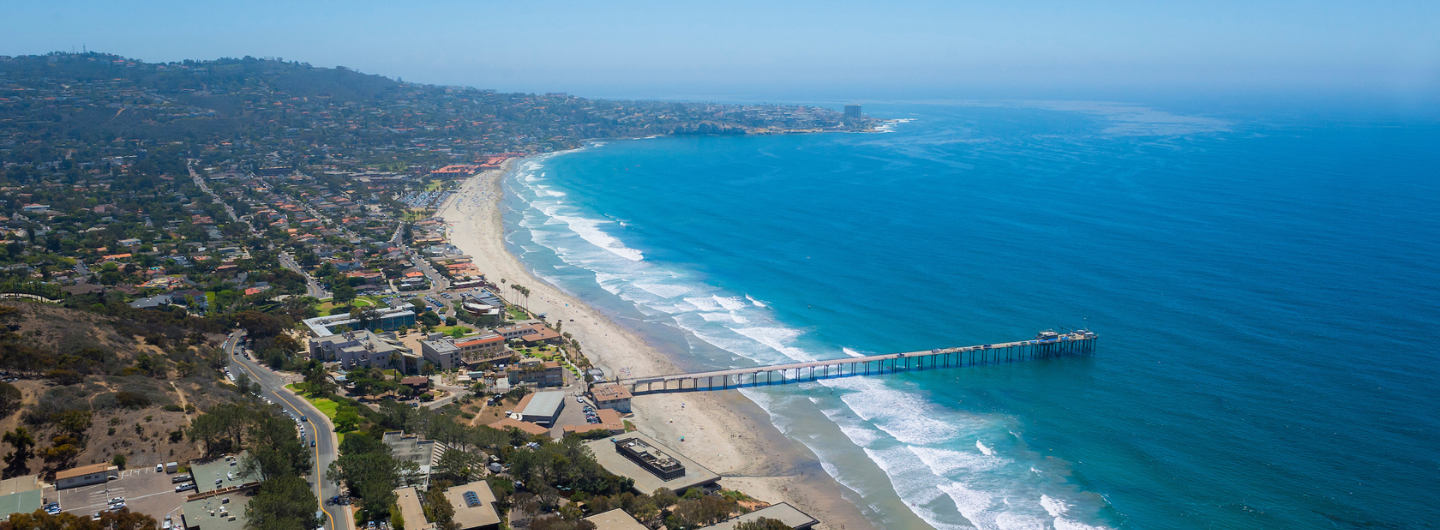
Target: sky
x: 742, y: 49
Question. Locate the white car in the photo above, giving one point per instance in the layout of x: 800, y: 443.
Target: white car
x: 159, y: 468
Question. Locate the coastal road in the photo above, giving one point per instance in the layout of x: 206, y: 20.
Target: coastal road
x: 318, y: 427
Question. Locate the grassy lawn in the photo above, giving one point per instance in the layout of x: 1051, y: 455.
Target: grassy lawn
x: 449, y: 329
x: 327, y: 407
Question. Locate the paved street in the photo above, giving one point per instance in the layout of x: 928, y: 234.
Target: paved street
x: 326, y: 445
x: 312, y: 287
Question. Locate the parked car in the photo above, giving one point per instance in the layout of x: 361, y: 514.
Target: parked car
x: 159, y: 468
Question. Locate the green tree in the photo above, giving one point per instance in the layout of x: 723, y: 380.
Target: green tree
x: 10, y: 397
x: 283, y: 503
x: 763, y: 523
x: 343, y: 293
x: 17, y: 461
x: 119, y: 520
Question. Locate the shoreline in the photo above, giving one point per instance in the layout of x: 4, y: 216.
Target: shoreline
x: 741, y: 445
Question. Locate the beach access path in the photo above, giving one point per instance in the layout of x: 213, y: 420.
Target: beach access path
x: 723, y: 431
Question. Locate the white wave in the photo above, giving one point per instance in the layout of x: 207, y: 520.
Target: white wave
x: 589, y: 230
x: 848, y: 351
x: 1062, y: 523
x: 662, y: 290
x: 945, y: 461
x: 981, y: 446
x: 717, y: 317
x: 731, y: 303
x: 778, y: 339
x: 756, y: 302
x: 705, y: 303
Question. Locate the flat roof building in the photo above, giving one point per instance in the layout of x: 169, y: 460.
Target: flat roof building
x: 218, y: 474
x: 615, y: 519
x: 85, y: 476
x: 524, y: 426
x: 474, y: 505
x: 542, y: 407
x: 364, y: 349
x: 412, y: 448
x: 782, y: 512
x: 389, y: 319
x: 19, y: 502
x: 611, y: 396
x: 225, y: 511
x: 607, y: 453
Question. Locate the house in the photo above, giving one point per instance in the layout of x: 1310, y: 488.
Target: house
x: 85, y: 476
x: 418, y: 383
x: 541, y: 334
x: 611, y: 396
x: 154, y: 302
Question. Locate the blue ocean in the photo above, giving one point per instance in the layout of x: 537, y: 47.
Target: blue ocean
x: 1262, y: 285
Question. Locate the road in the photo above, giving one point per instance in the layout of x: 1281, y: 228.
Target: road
x: 312, y: 287
x: 326, y: 447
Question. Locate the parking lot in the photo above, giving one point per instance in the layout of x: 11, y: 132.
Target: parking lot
x: 145, y: 490
x: 572, y: 414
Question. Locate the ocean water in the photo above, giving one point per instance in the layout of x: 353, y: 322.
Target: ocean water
x: 1262, y: 285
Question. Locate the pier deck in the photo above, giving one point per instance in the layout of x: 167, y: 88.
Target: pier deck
x: 1046, y: 344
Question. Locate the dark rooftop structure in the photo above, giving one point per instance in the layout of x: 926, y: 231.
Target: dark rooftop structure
x: 653, y: 460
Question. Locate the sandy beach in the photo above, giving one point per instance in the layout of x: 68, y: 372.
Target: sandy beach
x: 723, y: 431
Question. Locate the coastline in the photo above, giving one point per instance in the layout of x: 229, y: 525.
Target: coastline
x: 739, y: 442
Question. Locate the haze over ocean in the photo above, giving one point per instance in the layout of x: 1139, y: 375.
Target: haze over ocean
x: 1262, y: 284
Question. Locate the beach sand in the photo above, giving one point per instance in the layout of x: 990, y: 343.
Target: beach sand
x: 723, y: 431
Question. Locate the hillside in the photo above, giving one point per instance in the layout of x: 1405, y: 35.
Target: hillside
x: 91, y: 387
x: 81, y: 100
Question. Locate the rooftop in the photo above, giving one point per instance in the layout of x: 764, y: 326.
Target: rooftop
x: 81, y: 471
x: 782, y: 512
x: 615, y: 519
x: 645, y: 481
x: 226, y: 470
x: 221, y: 512
x: 543, y: 404
x: 474, y: 505
x: 524, y: 426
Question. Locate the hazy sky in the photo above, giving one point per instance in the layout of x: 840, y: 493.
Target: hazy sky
x: 779, y: 49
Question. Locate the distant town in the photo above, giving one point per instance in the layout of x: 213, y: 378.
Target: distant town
x: 229, y: 304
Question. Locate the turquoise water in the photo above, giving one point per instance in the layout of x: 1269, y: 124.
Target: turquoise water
x: 1262, y: 286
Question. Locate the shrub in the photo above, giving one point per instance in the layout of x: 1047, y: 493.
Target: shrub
x: 132, y: 400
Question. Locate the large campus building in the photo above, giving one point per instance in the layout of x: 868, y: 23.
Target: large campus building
x: 389, y: 319
x: 364, y: 349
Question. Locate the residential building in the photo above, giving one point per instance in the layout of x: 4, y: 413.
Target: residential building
x: 448, y: 354
x: 536, y: 372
